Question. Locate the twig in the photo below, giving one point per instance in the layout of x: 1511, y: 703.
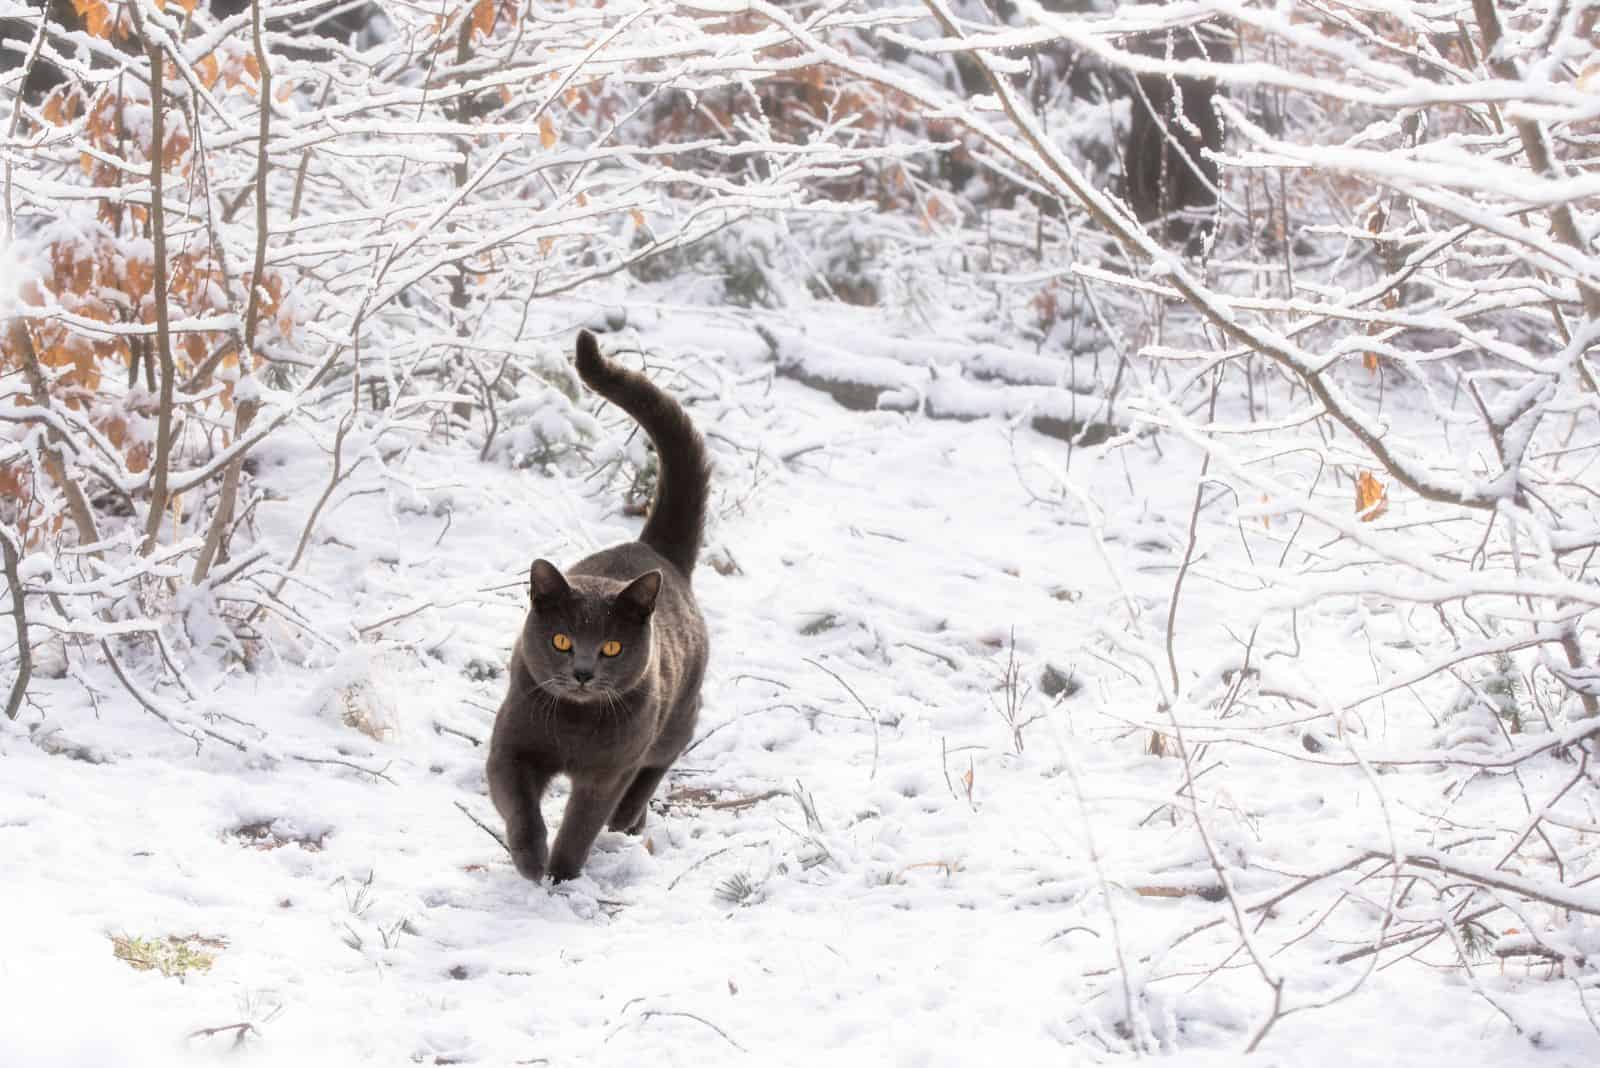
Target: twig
x: 149, y: 704
x: 1110, y: 903
x: 731, y: 803
x: 1188, y: 551
x: 440, y: 728
x: 240, y: 1030
x: 648, y: 1013
x: 486, y: 829
x: 873, y: 716
x: 709, y: 856
x: 246, y: 407
x: 54, y: 455
x: 158, y: 233
x: 19, y: 616
x: 346, y: 764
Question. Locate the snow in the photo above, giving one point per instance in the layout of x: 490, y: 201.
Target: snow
x: 1058, y: 713
x: 817, y: 877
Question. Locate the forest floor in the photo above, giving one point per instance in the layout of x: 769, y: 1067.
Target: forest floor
x: 919, y: 825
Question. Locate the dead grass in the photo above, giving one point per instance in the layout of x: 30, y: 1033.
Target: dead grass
x: 174, y: 955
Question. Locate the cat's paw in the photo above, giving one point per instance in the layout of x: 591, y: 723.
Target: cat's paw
x: 628, y: 822
x: 564, y: 870
x: 529, y: 865
x: 530, y: 860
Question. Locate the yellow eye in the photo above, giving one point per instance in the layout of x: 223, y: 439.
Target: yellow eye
x: 611, y: 649
x: 562, y: 642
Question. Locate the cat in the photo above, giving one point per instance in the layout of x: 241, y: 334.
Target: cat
x: 604, y: 680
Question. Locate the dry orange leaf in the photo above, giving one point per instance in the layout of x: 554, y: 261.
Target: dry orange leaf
x: 1370, y: 362
x: 547, y: 131
x: 208, y: 70
x: 11, y: 484
x: 96, y: 15
x: 234, y: 79
x: 54, y: 109
x: 638, y: 217
x: 1589, y: 77
x: 1372, y: 497
x: 483, y: 17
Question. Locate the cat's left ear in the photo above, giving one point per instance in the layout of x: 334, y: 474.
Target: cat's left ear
x: 638, y: 598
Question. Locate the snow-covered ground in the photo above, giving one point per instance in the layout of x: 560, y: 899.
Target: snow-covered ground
x: 859, y: 859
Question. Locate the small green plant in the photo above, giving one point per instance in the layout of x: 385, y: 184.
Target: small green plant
x: 1476, y: 940
x: 1503, y: 686
x: 171, y: 956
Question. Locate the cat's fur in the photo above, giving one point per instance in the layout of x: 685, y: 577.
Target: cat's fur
x: 612, y: 725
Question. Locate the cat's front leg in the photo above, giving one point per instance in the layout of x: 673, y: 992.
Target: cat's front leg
x: 516, y: 791
x: 590, y: 805
x: 631, y: 811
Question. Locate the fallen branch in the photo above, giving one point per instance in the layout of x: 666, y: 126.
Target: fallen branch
x: 240, y: 1031
x: 488, y: 830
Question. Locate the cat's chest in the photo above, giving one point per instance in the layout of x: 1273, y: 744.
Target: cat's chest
x: 611, y: 733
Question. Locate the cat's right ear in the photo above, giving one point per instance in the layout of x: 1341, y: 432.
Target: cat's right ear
x: 546, y: 584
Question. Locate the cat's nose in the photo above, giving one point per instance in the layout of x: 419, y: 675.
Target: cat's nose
x: 582, y: 674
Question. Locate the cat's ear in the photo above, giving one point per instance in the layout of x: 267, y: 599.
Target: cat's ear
x: 546, y: 584
x: 638, y: 598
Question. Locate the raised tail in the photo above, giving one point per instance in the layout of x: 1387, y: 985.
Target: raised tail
x: 683, y: 484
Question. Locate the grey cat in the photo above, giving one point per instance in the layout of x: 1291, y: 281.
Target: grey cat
x: 605, y: 675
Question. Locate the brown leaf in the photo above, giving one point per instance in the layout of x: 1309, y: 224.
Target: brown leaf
x: 252, y: 68
x: 96, y: 15
x: 208, y: 70
x: 137, y: 279
x: 547, y: 131
x: 483, y: 18
x: 1589, y: 77
x: 1372, y: 498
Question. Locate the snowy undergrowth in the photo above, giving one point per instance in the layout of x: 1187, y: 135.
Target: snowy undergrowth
x: 920, y: 823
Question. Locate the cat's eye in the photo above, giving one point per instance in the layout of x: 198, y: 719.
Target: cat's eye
x: 562, y: 642
x: 611, y: 649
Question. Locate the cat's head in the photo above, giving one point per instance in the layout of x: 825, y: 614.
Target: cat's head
x: 588, y: 637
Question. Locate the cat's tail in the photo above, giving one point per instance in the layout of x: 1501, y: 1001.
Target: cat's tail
x: 683, y: 484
